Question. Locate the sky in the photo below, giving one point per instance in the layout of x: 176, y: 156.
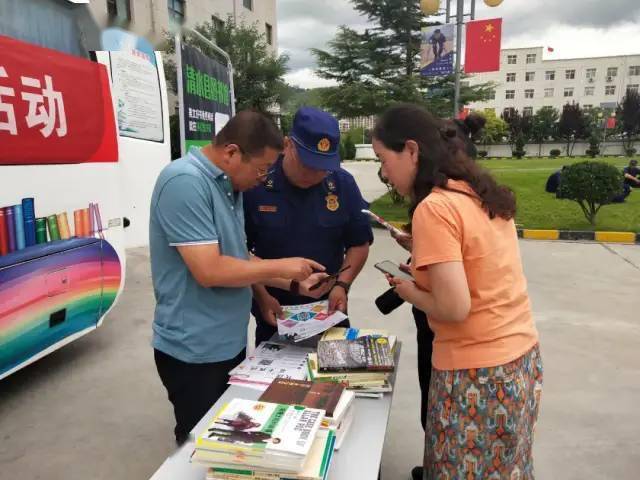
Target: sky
x: 574, y: 28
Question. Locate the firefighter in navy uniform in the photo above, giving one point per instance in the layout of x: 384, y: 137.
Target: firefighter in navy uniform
x: 307, y: 206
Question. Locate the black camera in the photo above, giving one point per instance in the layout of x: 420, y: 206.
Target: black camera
x: 388, y: 301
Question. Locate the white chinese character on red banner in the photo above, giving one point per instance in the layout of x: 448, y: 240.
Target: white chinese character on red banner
x: 41, y: 115
x: 6, y: 108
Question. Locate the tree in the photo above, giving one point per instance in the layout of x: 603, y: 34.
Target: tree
x: 519, y: 131
x: 572, y: 126
x: 592, y: 185
x: 380, y: 66
x: 494, y: 131
x: 628, y: 116
x: 543, y: 126
x: 258, y: 82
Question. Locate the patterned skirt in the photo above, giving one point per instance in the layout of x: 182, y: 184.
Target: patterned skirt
x: 480, y: 422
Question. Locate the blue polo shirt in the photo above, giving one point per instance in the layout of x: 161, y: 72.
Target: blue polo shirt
x: 320, y: 223
x: 193, y: 203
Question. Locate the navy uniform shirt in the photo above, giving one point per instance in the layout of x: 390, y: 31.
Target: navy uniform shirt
x: 319, y: 223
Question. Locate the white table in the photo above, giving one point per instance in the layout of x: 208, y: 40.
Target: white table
x: 358, y: 458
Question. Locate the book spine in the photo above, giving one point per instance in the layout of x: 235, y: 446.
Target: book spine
x: 86, y: 222
x: 29, y: 219
x: 11, y: 228
x: 77, y: 222
x: 18, y: 219
x: 99, y: 228
x: 63, y: 226
x: 4, y: 234
x: 41, y: 230
x: 92, y: 220
x: 52, y: 223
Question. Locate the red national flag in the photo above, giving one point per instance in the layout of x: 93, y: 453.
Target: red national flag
x: 484, y: 38
x: 550, y: 49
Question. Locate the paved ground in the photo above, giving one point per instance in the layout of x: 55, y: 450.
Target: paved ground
x: 96, y: 409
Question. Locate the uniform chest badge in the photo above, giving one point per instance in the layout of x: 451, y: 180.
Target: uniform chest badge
x: 332, y: 202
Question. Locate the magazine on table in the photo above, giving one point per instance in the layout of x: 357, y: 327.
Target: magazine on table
x: 301, y: 322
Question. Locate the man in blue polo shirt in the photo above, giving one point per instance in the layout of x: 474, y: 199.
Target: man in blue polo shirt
x: 202, y: 272
x: 308, y: 206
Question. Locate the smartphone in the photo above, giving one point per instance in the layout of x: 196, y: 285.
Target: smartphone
x: 393, y: 269
x: 383, y: 222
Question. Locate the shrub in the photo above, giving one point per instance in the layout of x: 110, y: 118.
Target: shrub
x: 592, y: 185
x: 630, y: 152
x: 555, y: 153
x: 519, y: 151
x: 483, y: 154
x: 349, y: 148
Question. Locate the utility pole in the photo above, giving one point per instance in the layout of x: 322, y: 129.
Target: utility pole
x: 459, y: 23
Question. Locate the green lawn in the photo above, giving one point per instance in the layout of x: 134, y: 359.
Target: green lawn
x: 538, y: 209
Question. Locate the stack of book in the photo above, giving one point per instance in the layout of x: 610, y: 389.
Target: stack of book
x: 361, y: 359
x: 269, y: 361
x: 259, y: 440
x: 333, y: 398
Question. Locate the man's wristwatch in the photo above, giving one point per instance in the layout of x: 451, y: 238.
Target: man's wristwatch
x: 294, y: 288
x: 345, y: 285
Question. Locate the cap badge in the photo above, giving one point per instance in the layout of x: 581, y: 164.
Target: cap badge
x: 324, y: 145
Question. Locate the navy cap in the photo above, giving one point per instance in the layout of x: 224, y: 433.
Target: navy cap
x: 317, y: 136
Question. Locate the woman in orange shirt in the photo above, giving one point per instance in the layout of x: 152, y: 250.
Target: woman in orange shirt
x: 487, y: 371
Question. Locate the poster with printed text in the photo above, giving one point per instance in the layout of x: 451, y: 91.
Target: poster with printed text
x: 206, y: 96
x: 437, y: 51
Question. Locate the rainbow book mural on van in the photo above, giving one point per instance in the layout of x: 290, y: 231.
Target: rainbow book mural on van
x: 52, y: 293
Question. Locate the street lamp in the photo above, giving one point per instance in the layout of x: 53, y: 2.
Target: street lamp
x: 430, y: 7
x: 493, y: 3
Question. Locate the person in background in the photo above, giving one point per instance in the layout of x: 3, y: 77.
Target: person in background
x: 311, y: 207
x: 469, y: 281
x: 200, y: 266
x: 632, y: 174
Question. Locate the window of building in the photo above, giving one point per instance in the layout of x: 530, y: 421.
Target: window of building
x: 548, y: 92
x: 269, y: 33
x: 550, y: 75
x: 511, y: 77
x: 634, y: 70
x: 510, y: 94
x: 568, y: 92
x: 529, y: 93
x: 610, y: 90
x: 589, y: 91
x: 512, y: 59
x: 587, y: 107
x: 531, y: 58
x: 119, y: 9
x: 612, y: 72
x: 632, y: 87
x: 248, y: 4
x: 570, y: 74
x: 508, y: 112
x: 492, y: 94
x: 591, y: 73
x: 527, y: 111
x: 176, y: 10
x: 218, y: 23
x: 530, y: 76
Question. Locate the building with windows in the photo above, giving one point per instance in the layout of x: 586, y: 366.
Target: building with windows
x: 527, y: 82
x: 152, y: 18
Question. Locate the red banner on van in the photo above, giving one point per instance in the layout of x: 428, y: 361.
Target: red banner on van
x: 54, y: 108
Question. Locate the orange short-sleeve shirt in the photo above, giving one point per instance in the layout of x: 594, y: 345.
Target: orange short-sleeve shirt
x: 453, y: 227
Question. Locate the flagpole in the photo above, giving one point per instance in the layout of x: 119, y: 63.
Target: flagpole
x: 459, y: 23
